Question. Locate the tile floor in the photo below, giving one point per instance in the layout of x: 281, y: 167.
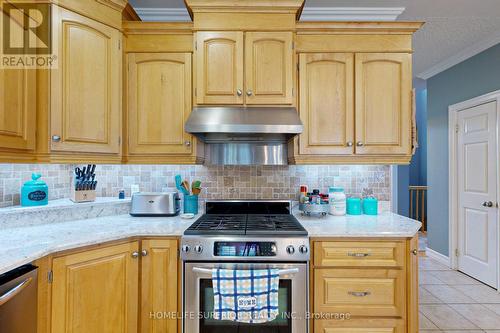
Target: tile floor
x: 453, y: 302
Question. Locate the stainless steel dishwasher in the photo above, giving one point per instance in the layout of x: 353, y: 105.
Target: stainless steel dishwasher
x: 18, y: 300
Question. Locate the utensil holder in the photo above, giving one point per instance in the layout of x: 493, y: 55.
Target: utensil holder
x: 191, y: 204
x: 83, y: 196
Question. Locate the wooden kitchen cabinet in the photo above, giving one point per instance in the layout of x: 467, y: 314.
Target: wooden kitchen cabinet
x: 269, y: 68
x: 355, y: 107
x: 159, y: 278
x: 373, y: 280
x: 17, y: 109
x: 159, y: 103
x: 219, y: 67
x: 383, y: 103
x: 263, y: 74
x: 96, y: 290
x: 85, y: 89
x: 326, y: 103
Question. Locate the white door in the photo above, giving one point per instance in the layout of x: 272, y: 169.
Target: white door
x: 477, y: 197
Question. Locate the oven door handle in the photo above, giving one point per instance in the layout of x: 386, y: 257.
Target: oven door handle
x: 280, y: 272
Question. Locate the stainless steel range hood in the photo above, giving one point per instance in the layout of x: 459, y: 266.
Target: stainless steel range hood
x: 245, y: 135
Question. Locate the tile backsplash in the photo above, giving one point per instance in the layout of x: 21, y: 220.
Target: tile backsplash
x: 218, y: 182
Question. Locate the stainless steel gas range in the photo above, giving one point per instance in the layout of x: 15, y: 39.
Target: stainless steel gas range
x: 245, y: 235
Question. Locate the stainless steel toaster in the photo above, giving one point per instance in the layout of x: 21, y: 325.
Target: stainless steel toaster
x: 155, y: 204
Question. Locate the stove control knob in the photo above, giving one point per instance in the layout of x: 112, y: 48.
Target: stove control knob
x: 185, y: 248
x: 290, y: 249
x: 198, y: 249
x: 273, y: 249
x: 303, y: 249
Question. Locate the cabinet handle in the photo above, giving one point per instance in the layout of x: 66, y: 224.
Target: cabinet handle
x: 349, y: 144
x: 187, y: 143
x: 357, y: 255
x: 239, y: 92
x: 359, y: 293
x: 249, y: 93
x: 144, y: 253
x: 359, y: 144
x: 415, y: 251
x: 135, y: 254
x: 56, y: 138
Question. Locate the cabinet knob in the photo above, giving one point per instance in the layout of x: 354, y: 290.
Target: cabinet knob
x: 360, y: 144
x: 239, y: 92
x: 349, y: 144
x: 187, y: 143
x: 415, y: 251
x: 135, y: 254
x: 56, y: 138
x: 488, y: 204
x: 249, y: 93
x: 144, y: 253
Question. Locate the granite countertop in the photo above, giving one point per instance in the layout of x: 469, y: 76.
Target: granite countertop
x: 21, y: 245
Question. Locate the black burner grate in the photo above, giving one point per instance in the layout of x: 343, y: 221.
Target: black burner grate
x: 242, y: 224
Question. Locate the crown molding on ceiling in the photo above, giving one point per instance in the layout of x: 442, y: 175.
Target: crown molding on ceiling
x: 459, y: 57
x: 308, y: 14
x: 351, y: 13
x: 163, y: 14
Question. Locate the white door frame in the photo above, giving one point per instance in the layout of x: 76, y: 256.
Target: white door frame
x: 452, y: 167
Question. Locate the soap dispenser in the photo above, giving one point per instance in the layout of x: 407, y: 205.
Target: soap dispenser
x: 35, y: 192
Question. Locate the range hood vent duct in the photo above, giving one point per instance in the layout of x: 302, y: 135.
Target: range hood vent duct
x: 245, y: 135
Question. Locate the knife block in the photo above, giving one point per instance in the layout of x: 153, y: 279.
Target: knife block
x: 82, y: 196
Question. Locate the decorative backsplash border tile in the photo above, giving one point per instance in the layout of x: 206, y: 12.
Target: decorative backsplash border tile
x: 218, y: 182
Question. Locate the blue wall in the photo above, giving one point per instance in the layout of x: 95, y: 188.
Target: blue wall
x: 474, y: 77
x: 416, y: 172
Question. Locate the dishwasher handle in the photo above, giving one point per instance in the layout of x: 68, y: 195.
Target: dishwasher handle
x: 14, y: 291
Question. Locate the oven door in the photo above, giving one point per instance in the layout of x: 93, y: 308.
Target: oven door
x: 199, y: 302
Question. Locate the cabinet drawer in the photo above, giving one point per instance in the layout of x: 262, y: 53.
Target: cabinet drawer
x: 359, y: 254
x: 360, y: 292
x: 359, y: 326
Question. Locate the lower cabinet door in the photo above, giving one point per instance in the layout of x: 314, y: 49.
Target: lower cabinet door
x: 360, y: 292
x: 96, y: 290
x: 359, y: 326
x: 159, y: 293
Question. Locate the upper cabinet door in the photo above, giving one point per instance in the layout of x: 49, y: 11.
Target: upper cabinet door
x: 326, y: 103
x: 219, y: 67
x: 269, y: 68
x: 383, y: 103
x: 86, y: 88
x: 159, y: 95
x: 17, y: 109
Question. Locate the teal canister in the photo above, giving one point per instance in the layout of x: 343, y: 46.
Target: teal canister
x: 353, y: 206
x: 370, y: 206
x: 191, y: 204
x: 35, y: 192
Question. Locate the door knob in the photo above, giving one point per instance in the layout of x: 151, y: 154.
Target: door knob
x: 488, y: 204
x: 56, y: 138
x: 249, y: 93
x: 239, y: 92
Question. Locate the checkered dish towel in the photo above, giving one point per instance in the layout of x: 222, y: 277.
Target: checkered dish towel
x: 245, y: 296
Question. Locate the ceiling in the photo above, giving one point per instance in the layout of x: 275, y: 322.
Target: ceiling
x: 454, y: 29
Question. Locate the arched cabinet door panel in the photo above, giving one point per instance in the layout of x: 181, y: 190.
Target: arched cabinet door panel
x: 383, y: 103
x: 86, y: 86
x: 326, y: 103
x: 269, y: 68
x: 159, y: 103
x: 219, y: 67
